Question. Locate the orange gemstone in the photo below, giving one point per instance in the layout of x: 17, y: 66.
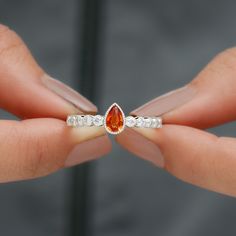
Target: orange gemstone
x: 114, y: 119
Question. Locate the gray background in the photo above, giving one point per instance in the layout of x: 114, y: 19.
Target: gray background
x: 146, y: 48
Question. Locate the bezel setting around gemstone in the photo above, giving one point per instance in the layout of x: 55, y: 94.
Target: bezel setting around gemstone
x: 114, y: 120
x: 123, y: 117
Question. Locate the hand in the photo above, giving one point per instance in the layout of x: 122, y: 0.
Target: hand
x: 39, y: 145
x: 180, y: 147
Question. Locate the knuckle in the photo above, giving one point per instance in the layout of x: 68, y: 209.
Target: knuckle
x: 40, y: 160
x: 34, y: 158
x: 33, y: 163
x: 31, y: 155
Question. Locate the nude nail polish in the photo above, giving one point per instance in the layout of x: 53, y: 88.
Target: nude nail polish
x: 70, y: 95
x: 166, y: 102
x: 88, y: 150
x: 140, y: 146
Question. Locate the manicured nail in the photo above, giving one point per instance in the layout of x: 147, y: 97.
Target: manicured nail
x: 139, y: 145
x: 88, y: 150
x: 68, y: 94
x: 140, y: 141
x: 166, y: 102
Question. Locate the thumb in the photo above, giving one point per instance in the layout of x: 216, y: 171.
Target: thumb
x: 195, y: 156
x: 27, y: 91
x: 42, y: 146
x: 208, y: 100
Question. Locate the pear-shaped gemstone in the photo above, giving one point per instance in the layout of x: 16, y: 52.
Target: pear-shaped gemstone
x: 114, y: 119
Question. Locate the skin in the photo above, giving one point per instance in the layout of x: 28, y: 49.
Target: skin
x: 40, y: 143
x: 194, y: 155
x: 30, y: 149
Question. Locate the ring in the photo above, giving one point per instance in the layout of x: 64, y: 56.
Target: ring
x: 114, y: 120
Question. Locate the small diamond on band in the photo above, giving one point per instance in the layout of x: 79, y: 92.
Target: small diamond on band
x: 130, y: 121
x: 114, y: 120
x: 98, y: 120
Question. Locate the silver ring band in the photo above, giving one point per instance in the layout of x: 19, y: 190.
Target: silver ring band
x: 119, y: 120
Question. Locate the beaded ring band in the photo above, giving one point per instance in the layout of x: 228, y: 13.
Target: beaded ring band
x: 114, y: 120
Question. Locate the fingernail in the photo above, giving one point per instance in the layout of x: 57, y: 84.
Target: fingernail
x: 140, y: 141
x: 88, y: 150
x: 68, y: 94
x: 166, y: 102
x: 139, y: 145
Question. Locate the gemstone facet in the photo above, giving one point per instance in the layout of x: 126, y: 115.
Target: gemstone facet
x: 79, y: 121
x: 130, y: 121
x: 156, y: 122
x: 114, y: 119
x: 88, y: 120
x: 139, y: 122
x: 71, y: 120
x: 98, y: 120
x: 147, y: 122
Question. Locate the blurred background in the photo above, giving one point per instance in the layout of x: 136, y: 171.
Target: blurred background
x: 125, y: 51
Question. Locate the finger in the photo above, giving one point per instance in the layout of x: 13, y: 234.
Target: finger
x: 26, y: 90
x: 209, y: 100
x: 195, y: 156
x: 37, y: 147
